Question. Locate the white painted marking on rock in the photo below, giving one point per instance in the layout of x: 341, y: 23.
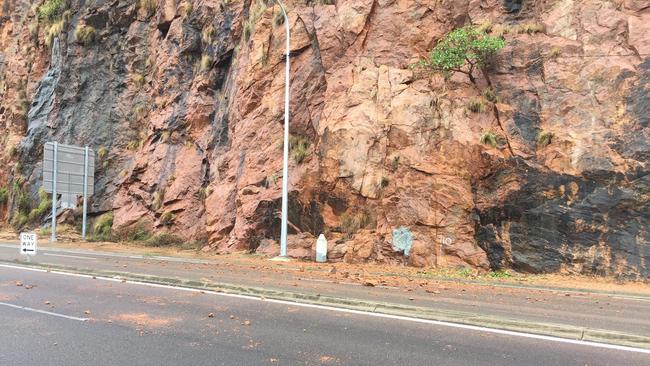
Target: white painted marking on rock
x: 350, y: 311
x: 43, y: 312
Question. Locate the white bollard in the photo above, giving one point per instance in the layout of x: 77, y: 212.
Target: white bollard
x: 321, y: 249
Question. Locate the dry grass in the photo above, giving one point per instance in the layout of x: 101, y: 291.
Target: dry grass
x: 476, y: 106
x: 85, y: 34
x: 545, y: 138
x: 489, y: 138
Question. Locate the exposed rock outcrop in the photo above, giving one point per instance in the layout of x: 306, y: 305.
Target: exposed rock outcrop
x: 185, y: 101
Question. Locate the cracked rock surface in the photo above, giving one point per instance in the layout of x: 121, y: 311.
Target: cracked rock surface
x: 188, y: 106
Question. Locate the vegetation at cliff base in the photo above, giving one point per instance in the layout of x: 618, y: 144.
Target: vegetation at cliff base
x: 102, y: 227
x: 43, y: 208
x: 463, y: 50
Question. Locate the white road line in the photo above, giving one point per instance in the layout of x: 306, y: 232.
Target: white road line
x: 44, y: 312
x: 350, y: 311
x: 68, y: 256
x: 117, y: 255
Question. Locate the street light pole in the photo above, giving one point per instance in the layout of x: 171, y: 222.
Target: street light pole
x: 285, y: 161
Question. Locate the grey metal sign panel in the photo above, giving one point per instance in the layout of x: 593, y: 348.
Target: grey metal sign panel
x: 70, y: 169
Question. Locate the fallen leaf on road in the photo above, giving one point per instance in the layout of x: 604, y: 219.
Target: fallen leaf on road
x: 327, y: 359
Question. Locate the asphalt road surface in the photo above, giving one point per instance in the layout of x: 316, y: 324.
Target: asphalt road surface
x: 60, y: 319
x: 595, y: 311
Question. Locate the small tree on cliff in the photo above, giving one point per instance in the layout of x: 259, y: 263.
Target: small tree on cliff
x: 464, y: 50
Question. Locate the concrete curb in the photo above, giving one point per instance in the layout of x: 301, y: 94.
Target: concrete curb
x: 546, y: 329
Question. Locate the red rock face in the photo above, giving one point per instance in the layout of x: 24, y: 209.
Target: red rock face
x: 188, y: 105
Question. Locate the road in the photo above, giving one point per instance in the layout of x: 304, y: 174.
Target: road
x: 596, y: 311
x: 75, y: 320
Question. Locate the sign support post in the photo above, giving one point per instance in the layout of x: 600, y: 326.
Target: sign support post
x: 83, y: 227
x: 54, y: 198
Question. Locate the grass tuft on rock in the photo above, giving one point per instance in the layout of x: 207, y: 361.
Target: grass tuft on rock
x: 351, y: 223
x: 476, y: 106
x: 53, y: 31
x: 530, y: 28
x: 490, y: 95
x: 489, y: 138
x: 167, y: 218
x: 139, y: 80
x: 544, y: 138
x: 206, y: 62
x: 148, y: 5
x: 102, y: 152
x: 207, y: 36
x: 298, y: 148
x: 85, y: 34
x: 158, y: 198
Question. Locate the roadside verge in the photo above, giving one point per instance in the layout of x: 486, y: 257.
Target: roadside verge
x: 465, y: 318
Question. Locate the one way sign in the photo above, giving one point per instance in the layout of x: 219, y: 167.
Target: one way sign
x: 28, y: 243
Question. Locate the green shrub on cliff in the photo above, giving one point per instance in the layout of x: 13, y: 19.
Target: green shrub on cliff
x: 463, y: 50
x: 18, y: 221
x: 51, y: 10
x: 43, y: 208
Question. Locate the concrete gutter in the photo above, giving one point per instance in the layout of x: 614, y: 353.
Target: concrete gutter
x: 546, y: 329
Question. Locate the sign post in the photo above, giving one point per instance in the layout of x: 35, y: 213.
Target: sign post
x: 28, y: 243
x: 83, y: 225
x: 54, y: 197
x: 69, y: 171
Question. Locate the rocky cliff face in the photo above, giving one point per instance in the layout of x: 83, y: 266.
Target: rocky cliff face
x: 183, y: 101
